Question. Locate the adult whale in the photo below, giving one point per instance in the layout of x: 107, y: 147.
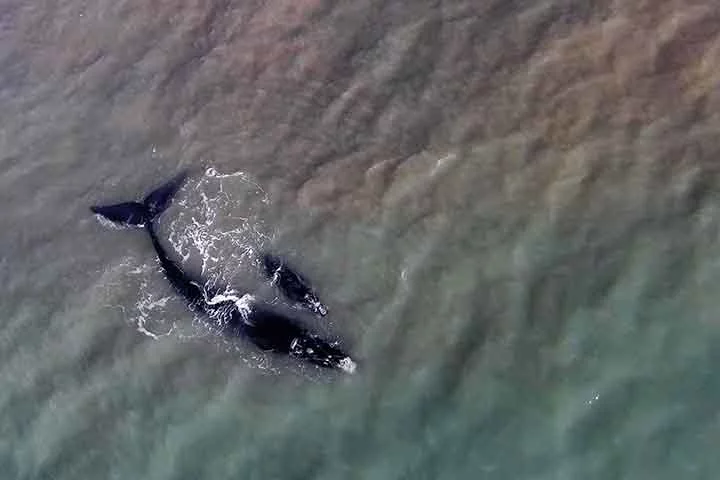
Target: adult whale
x: 265, y: 327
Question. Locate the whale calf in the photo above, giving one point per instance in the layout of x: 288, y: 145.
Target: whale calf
x: 241, y: 317
x: 292, y: 284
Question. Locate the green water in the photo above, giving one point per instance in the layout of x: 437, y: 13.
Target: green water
x: 509, y: 208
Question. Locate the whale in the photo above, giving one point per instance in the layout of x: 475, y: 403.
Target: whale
x: 244, y: 316
x: 293, y: 285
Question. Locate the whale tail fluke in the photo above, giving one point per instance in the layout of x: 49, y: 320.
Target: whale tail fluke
x: 140, y: 214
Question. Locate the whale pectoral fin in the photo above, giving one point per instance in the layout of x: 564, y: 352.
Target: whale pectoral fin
x: 128, y: 213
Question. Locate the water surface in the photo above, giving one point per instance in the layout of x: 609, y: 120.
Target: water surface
x: 509, y: 206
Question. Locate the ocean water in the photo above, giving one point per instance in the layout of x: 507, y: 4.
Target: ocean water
x: 509, y: 206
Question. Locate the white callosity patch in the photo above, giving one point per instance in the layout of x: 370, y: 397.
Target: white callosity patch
x: 316, y: 304
x: 347, y: 365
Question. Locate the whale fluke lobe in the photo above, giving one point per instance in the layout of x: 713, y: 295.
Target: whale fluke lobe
x: 139, y: 214
x: 128, y: 213
x: 159, y: 199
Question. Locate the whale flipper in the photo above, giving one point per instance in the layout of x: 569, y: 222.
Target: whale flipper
x: 292, y: 284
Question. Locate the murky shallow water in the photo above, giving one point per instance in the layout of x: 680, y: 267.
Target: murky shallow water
x: 509, y: 207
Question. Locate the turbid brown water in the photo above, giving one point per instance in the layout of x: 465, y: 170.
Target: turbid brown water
x: 509, y: 207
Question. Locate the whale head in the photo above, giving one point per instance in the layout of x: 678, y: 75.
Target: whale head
x: 321, y: 353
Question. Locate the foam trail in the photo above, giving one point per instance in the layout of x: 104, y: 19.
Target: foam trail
x: 197, y: 230
x: 147, y: 304
x: 212, y: 173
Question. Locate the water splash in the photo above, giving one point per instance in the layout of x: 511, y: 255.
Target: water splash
x: 198, y: 229
x: 148, y: 303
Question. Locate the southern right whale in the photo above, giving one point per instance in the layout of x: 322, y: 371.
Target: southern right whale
x: 292, y: 284
x: 242, y: 317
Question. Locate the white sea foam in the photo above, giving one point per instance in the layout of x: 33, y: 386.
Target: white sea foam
x: 347, y: 365
x: 198, y: 231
